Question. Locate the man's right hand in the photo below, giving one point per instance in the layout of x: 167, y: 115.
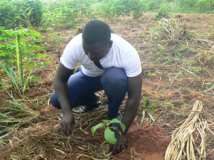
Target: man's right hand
x: 61, y: 88
x: 67, y: 123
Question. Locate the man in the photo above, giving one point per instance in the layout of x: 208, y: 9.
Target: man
x: 109, y: 63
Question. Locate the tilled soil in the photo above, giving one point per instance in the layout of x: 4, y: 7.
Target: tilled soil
x: 147, y: 143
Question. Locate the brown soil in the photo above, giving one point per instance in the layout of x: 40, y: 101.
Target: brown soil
x: 148, y: 143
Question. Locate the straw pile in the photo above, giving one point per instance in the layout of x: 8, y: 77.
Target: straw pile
x: 188, y: 141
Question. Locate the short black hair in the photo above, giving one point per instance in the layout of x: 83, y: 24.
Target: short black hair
x: 96, y: 31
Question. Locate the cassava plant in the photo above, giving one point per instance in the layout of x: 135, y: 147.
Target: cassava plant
x: 18, y: 52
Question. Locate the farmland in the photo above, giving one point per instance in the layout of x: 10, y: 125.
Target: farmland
x: 176, y: 47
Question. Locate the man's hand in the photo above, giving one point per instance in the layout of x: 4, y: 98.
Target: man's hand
x: 67, y: 123
x: 122, y: 141
x: 61, y: 87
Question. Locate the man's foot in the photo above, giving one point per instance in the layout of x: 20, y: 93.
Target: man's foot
x: 84, y: 108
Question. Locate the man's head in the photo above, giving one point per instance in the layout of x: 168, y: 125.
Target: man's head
x: 96, y: 39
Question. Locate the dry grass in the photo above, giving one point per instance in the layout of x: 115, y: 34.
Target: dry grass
x: 188, y: 141
x: 44, y: 140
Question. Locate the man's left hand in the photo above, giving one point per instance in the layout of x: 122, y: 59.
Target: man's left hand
x: 122, y: 143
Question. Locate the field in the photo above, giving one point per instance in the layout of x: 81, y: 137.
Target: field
x: 177, y: 54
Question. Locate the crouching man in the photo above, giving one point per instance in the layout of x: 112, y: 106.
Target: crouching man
x: 109, y: 63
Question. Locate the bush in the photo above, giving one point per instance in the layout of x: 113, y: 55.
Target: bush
x: 196, y: 5
x: 204, y: 5
x: 19, y: 55
x: 20, y: 13
x: 163, y: 11
x: 65, y: 12
x: 180, y: 5
x: 34, y: 10
x: 117, y: 7
x: 152, y: 4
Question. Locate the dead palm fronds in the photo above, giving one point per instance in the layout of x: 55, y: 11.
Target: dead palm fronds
x: 188, y: 141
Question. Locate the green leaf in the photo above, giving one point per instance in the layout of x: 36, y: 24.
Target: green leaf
x: 109, y: 136
x: 98, y: 126
x: 116, y: 120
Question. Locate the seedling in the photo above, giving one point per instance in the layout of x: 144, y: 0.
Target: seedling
x: 109, y: 134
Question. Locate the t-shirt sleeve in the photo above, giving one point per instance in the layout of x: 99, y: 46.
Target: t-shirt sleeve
x: 132, y: 65
x: 71, y: 53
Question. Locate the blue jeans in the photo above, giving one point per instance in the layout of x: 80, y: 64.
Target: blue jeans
x: 82, y: 89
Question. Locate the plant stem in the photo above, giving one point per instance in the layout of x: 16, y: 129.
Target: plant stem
x: 19, y: 62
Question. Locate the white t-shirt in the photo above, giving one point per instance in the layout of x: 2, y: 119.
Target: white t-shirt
x: 121, y: 55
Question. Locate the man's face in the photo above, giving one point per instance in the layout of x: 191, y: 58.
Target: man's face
x: 96, y: 51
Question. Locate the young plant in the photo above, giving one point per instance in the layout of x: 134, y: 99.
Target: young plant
x: 17, y: 49
x: 109, y: 134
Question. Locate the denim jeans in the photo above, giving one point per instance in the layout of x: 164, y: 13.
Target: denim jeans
x: 82, y: 89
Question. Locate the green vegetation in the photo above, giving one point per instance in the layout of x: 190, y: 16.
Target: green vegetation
x: 117, y: 7
x: 179, y: 5
x: 67, y: 13
x: 19, y: 50
x: 109, y: 133
x: 15, y: 13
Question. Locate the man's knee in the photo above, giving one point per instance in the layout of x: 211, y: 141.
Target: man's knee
x: 114, y: 77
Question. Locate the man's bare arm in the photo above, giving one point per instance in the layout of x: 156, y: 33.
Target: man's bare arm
x: 134, y: 95
x: 61, y: 87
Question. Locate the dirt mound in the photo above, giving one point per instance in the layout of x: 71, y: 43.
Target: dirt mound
x: 210, y: 155
x: 148, y: 143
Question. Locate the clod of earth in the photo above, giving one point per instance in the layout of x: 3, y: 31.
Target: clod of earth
x: 148, y: 143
